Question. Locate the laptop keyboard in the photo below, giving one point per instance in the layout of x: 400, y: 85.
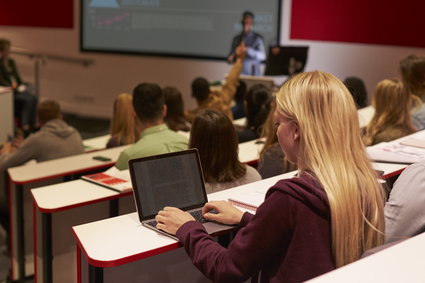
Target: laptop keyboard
x: 197, y: 214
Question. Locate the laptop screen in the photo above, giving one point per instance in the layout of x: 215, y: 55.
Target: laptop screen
x: 172, y: 179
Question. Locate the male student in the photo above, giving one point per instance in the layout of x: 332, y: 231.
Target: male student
x: 55, y: 139
x: 218, y: 100
x: 155, y: 137
x: 404, y: 210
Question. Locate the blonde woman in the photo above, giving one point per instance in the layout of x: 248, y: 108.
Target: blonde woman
x: 324, y: 218
x: 123, y: 125
x: 392, y: 120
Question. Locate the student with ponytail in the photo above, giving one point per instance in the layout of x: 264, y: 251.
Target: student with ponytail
x: 257, y: 107
x: 393, y: 104
x: 324, y: 218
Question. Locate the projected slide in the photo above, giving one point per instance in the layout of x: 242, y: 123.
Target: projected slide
x: 189, y: 28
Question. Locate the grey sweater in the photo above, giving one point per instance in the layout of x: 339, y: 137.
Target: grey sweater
x: 404, y: 210
x: 55, y: 139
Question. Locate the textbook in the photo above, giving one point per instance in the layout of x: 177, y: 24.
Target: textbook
x: 112, y: 179
x: 251, y: 200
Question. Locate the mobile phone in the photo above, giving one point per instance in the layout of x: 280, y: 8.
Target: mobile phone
x: 101, y: 158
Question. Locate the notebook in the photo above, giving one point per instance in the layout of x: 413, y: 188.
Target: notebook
x: 171, y: 179
x: 112, y: 179
x: 250, y: 201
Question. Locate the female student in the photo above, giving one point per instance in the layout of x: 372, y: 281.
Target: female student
x: 324, y: 218
x: 272, y: 160
x: 412, y: 69
x: 123, y: 126
x: 175, y: 119
x: 257, y: 108
x: 392, y: 102
x: 213, y: 134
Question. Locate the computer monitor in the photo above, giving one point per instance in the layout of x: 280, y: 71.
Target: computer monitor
x: 286, y: 60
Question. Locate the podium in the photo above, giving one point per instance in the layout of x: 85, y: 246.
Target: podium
x: 6, y: 114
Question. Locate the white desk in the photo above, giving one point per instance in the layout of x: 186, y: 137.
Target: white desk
x: 63, y: 166
x: 6, y: 114
x: 96, y: 143
x: 20, y: 199
x: 59, y: 207
x: 403, y: 262
x: 122, y: 240
x: 50, y: 200
x: 117, y: 241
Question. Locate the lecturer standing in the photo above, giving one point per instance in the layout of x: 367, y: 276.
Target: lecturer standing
x: 254, y: 45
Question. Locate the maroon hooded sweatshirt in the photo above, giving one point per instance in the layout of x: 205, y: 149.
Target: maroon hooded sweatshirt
x: 287, y: 240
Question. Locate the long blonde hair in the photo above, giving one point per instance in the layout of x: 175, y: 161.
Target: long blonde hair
x: 331, y: 149
x: 123, y: 126
x: 392, y: 102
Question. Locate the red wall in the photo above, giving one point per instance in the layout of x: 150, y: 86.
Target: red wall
x: 390, y: 22
x: 37, y: 13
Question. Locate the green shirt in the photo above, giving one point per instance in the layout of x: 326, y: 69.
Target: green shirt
x: 155, y: 140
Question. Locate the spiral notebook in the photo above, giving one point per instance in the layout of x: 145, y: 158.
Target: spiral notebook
x: 251, y: 200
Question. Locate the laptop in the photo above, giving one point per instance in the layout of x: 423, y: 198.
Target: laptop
x: 171, y: 179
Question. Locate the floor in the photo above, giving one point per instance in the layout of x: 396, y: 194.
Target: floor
x: 88, y: 128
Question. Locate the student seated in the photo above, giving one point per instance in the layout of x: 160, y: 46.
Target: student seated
x: 55, y: 139
x: 214, y: 136
x: 358, y: 90
x: 219, y: 100
x: 272, y: 159
x: 392, y: 103
x: 257, y: 107
x: 324, y: 218
x: 175, y: 119
x: 404, y: 210
x: 155, y: 137
x: 25, y: 103
x: 238, y: 110
x: 123, y: 124
x: 412, y: 69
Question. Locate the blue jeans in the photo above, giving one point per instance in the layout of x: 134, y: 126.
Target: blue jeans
x: 25, y: 107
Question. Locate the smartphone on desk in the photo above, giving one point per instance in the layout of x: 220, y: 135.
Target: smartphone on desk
x: 101, y: 158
